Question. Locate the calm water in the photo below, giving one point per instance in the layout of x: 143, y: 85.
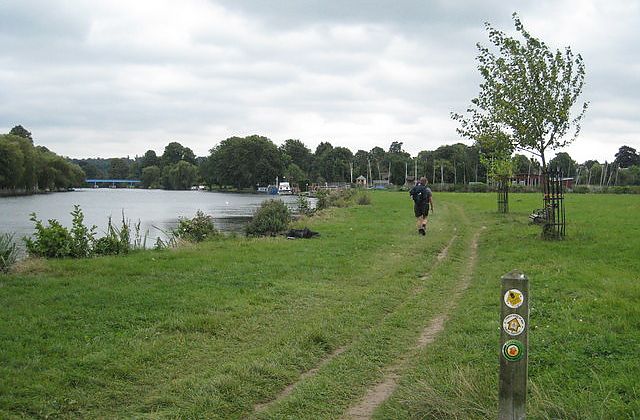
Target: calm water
x: 157, y: 210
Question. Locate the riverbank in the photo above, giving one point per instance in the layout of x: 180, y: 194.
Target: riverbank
x: 222, y: 329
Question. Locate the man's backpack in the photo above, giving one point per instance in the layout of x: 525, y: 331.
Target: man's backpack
x: 418, y: 195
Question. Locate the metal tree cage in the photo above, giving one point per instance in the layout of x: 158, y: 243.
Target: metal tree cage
x: 555, y: 220
x: 503, y: 195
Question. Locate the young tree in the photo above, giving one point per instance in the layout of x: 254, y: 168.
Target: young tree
x: 527, y: 94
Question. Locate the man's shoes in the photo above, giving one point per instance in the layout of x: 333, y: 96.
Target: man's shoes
x: 422, y: 232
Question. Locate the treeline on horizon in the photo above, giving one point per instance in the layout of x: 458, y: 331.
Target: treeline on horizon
x: 27, y: 168
x: 247, y: 162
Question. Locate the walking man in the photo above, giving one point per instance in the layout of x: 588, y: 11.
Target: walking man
x: 422, y: 200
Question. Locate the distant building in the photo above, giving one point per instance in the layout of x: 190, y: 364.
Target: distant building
x: 361, y: 181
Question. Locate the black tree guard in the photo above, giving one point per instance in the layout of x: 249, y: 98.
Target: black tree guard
x: 555, y: 221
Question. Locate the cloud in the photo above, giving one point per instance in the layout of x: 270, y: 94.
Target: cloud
x: 117, y: 78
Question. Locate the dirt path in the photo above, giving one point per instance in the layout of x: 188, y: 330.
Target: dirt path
x: 383, y: 390
x: 258, y: 408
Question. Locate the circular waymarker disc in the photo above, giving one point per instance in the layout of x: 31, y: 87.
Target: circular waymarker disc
x: 513, y: 298
x: 513, y: 350
x: 513, y: 324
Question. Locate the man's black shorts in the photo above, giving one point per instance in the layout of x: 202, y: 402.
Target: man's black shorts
x: 421, y: 209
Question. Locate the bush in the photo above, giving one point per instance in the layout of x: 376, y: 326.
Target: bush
x: 8, y: 252
x: 82, y: 237
x: 304, y: 207
x: 271, y: 218
x: 56, y: 241
x: 581, y: 189
x: 53, y: 241
x: 197, y: 229
x: 478, y: 187
x: 363, y: 198
x: 323, y: 200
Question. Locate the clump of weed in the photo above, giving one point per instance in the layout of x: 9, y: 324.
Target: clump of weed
x: 8, y: 252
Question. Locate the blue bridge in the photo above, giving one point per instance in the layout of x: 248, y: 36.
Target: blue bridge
x: 112, y: 182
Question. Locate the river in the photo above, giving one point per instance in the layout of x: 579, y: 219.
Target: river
x: 156, y: 210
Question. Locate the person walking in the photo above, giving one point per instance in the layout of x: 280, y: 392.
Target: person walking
x: 422, y: 200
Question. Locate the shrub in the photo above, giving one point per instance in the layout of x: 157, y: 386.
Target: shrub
x: 8, y: 252
x: 323, y: 200
x: 271, y: 218
x: 304, y: 207
x: 478, y: 187
x: 53, y: 241
x: 82, y: 237
x: 197, y: 229
x: 363, y: 198
x: 581, y: 189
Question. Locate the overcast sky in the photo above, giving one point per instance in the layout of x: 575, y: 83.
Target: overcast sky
x: 116, y: 78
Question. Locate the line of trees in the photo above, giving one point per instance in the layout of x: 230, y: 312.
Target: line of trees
x: 247, y: 162
x: 26, y: 168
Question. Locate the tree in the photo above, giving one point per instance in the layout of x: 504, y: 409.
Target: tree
x: 398, y: 160
x: 182, y: 175
x: 20, y: 131
x: 298, y: 153
x: 296, y: 176
x: 563, y: 162
x: 361, y: 164
x: 319, y: 171
x: 244, y: 162
x: 627, y: 157
x: 118, y: 168
x: 376, y: 156
x: 150, y: 159
x: 527, y: 94
x: 151, y: 177
x: 521, y: 164
x: 174, y: 152
x: 11, y: 164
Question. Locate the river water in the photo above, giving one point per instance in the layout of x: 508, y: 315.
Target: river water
x: 156, y: 210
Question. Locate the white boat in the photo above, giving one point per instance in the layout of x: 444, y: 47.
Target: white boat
x: 284, y: 188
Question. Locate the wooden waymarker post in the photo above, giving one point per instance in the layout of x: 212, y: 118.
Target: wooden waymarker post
x: 514, y: 346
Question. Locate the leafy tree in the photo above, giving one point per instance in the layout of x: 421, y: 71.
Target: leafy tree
x: 563, y: 162
x: 627, y: 157
x: 340, y: 160
x: 244, y: 162
x: 11, y: 164
x: 150, y: 159
x: 398, y: 160
x: 396, y: 147
x: 174, y: 152
x: 521, y: 164
x: 296, y: 176
x: 377, y: 156
x: 527, y: 94
x: 20, y: 131
x: 298, y: 153
x: 183, y: 175
x: 118, y: 168
x: 361, y: 164
x: 150, y: 177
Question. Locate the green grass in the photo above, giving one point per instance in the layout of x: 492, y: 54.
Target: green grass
x: 214, y: 329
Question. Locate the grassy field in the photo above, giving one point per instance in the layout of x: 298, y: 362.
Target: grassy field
x: 219, y: 330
